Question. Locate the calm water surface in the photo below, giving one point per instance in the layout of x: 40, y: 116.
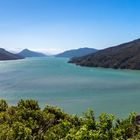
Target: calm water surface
x: 73, y: 88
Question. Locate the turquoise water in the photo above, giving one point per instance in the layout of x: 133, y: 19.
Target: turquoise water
x: 73, y: 88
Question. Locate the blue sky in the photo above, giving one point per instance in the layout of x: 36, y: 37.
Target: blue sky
x: 56, y: 25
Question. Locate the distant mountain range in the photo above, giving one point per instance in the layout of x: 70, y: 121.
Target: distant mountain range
x: 29, y: 53
x: 123, y: 56
x: 5, y: 55
x: 76, y: 52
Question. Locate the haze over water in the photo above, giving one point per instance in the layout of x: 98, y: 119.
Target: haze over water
x: 70, y: 87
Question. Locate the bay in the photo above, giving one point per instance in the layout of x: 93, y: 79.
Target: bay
x: 72, y: 88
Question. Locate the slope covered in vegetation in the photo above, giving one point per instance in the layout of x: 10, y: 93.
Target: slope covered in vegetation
x: 29, y: 53
x: 76, y: 52
x: 123, y: 56
x: 26, y: 121
x: 5, y: 55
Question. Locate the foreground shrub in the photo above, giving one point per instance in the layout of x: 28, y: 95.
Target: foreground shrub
x: 27, y: 121
x: 3, y: 105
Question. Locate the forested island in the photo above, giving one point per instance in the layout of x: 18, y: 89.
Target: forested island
x: 26, y: 121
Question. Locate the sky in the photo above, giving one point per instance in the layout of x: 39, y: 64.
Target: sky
x: 53, y: 26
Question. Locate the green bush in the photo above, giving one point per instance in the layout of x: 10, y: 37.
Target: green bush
x: 27, y: 121
x: 3, y: 105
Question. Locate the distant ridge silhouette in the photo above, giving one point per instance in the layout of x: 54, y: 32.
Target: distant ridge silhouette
x: 76, y: 52
x: 5, y: 55
x: 29, y: 53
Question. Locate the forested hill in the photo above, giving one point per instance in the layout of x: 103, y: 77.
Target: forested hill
x: 76, y: 52
x: 5, y: 55
x: 29, y: 53
x: 123, y: 56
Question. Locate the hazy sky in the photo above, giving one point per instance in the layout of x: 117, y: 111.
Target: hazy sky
x: 56, y: 25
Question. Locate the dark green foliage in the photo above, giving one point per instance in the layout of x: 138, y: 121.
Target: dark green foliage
x: 28, y: 104
x: 27, y: 122
x: 3, y: 105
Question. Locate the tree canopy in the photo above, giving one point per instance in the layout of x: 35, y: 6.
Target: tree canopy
x: 26, y: 121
